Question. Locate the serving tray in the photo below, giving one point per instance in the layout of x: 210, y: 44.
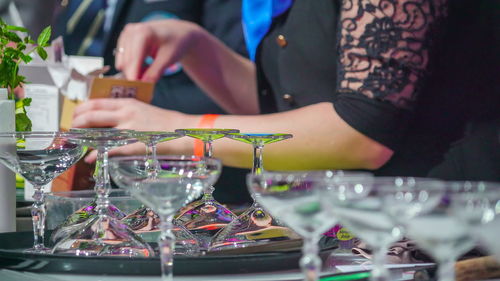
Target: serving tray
x: 12, y: 257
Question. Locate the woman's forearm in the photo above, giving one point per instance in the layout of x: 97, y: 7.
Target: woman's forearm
x: 322, y: 140
x: 226, y: 76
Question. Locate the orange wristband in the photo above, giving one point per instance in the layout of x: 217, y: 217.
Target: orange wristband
x: 206, y: 121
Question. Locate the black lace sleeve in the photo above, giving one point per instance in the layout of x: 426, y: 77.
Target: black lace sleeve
x: 384, y: 51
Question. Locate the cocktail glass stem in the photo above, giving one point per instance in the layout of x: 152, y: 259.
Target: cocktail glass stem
x: 258, y: 165
x: 209, y: 190
x: 102, y: 186
x: 153, y: 166
x: 310, y: 263
x: 38, y: 213
x: 166, y: 242
x: 379, y: 271
x: 446, y: 269
x: 258, y: 168
x: 207, y: 148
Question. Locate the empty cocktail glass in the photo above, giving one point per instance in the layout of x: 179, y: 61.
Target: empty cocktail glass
x: 424, y: 210
x: 295, y: 198
x: 477, y: 204
x: 178, y: 182
x: 39, y: 157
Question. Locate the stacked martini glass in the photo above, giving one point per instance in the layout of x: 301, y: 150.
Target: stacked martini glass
x: 103, y: 234
x: 39, y: 157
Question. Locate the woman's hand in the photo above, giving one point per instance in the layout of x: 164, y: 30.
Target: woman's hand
x: 227, y: 77
x: 166, y: 41
x: 126, y: 114
x: 129, y: 114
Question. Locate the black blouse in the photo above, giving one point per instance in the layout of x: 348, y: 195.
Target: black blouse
x: 372, y: 62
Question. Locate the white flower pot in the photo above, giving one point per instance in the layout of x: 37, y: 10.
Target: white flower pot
x: 7, y: 177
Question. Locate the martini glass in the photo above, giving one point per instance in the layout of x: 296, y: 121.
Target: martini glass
x: 358, y: 203
x: 425, y: 211
x: 295, y: 198
x: 177, y: 183
x: 477, y: 204
x: 255, y: 225
x: 39, y: 157
x: 206, y: 216
x: 78, y: 219
x: 103, y: 234
x: 145, y: 221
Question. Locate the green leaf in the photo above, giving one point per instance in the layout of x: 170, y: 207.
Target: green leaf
x: 27, y: 101
x: 14, y: 79
x: 23, y: 122
x: 20, y: 80
x: 26, y: 58
x: 16, y: 28
x: 21, y: 46
x: 44, y: 37
x: 10, y: 52
x: 12, y: 37
x: 41, y: 52
x: 21, y: 103
x: 28, y: 40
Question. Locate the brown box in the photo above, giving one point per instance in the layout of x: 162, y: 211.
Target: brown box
x: 108, y: 88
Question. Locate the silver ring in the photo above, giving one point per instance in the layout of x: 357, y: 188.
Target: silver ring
x: 118, y: 50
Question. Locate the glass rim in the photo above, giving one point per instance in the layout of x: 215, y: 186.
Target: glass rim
x: 161, y: 157
x: 395, y: 183
x: 259, y: 135
x: 472, y: 185
x: 125, y: 194
x: 40, y: 134
x: 99, y: 130
x: 155, y: 133
x: 312, y: 174
x: 206, y: 131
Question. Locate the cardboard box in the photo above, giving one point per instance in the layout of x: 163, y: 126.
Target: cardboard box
x: 108, y: 88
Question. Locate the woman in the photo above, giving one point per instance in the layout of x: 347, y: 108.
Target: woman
x: 345, y: 78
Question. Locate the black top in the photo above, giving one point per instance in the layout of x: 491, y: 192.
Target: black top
x: 378, y: 78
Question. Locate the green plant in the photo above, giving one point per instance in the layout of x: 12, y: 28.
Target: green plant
x: 14, y: 42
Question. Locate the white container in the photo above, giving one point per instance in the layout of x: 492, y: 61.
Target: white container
x: 7, y: 177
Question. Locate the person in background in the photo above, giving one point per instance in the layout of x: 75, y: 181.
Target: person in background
x: 376, y: 85
x: 92, y: 28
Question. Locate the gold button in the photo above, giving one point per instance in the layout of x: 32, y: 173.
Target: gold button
x: 281, y: 41
x: 288, y: 99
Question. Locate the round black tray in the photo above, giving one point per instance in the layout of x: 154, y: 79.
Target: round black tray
x: 12, y: 257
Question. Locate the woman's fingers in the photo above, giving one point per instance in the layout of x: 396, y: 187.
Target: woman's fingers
x: 135, y: 43
x: 97, y: 119
x: 162, y: 60
x: 97, y: 104
x: 166, y: 41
